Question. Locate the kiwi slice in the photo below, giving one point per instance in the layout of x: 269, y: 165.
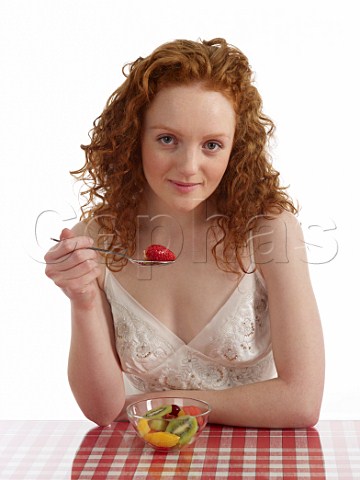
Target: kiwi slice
x: 158, y: 412
x: 185, y: 427
x: 158, y: 424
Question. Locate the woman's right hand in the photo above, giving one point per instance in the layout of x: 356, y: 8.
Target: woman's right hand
x: 74, y: 268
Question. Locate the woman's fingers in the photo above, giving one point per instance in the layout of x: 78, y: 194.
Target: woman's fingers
x: 72, y: 265
x: 77, y: 285
x: 74, y: 272
x: 66, y: 247
x: 66, y: 257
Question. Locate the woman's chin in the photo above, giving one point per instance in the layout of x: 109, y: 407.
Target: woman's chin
x: 187, y: 206
x: 175, y: 205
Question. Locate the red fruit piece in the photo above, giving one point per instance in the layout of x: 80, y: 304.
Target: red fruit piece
x: 159, y: 253
x: 193, y: 411
x: 169, y: 416
x: 175, y: 410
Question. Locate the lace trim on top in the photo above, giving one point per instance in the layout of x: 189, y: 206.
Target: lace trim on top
x: 234, y: 348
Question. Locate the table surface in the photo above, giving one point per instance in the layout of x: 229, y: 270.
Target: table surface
x: 79, y: 450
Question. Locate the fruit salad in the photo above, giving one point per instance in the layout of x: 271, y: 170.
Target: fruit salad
x: 170, y: 426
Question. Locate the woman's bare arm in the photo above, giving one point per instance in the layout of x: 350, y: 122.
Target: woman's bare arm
x: 94, y: 371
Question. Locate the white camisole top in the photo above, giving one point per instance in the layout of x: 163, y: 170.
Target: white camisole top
x: 234, y: 348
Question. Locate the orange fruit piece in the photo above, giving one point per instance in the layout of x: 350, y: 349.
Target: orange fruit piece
x: 143, y: 427
x: 162, y: 439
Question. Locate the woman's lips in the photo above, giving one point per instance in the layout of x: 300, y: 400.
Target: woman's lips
x: 184, y: 186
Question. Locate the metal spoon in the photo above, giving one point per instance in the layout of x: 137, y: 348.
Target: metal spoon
x: 143, y: 263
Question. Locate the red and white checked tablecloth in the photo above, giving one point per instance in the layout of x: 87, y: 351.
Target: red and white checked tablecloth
x: 73, y: 450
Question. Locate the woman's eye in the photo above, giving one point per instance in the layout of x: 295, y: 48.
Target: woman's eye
x: 166, y: 139
x: 212, y: 145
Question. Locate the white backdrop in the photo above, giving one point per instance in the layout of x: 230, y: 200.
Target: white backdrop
x: 60, y: 60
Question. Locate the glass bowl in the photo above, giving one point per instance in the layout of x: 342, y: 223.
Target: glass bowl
x: 169, y: 423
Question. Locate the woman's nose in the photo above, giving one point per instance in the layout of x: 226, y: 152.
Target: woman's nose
x: 188, y: 162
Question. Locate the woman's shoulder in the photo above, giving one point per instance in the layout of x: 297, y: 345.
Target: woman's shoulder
x: 275, y: 223
x: 87, y: 228
x: 278, y: 239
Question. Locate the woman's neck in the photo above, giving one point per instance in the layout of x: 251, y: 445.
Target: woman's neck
x: 186, y: 232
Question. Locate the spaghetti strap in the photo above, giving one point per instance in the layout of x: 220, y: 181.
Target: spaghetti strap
x: 250, y: 243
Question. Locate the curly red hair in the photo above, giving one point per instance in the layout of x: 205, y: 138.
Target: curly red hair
x: 113, y: 171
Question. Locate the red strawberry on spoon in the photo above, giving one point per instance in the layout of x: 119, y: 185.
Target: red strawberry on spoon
x: 159, y: 253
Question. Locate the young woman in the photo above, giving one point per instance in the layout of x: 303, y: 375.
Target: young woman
x: 179, y: 157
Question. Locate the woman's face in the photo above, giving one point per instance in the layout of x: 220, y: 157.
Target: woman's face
x: 186, y: 143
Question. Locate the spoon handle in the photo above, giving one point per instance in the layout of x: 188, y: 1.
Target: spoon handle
x: 103, y: 250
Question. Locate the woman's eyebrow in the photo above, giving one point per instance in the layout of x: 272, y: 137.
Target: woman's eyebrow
x: 163, y: 127
x: 177, y: 132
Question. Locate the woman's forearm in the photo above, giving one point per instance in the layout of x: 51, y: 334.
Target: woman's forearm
x: 94, y: 372
x: 268, y: 404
